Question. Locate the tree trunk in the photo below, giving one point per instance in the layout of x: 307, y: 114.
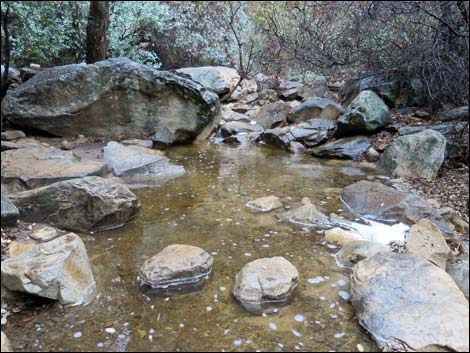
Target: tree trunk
x: 96, y: 31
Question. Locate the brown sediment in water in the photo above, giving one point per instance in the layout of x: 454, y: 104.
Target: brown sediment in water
x: 206, y: 208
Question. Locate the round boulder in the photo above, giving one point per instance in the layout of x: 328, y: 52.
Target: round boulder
x: 265, y: 281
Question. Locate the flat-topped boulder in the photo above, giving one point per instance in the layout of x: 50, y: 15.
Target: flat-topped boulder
x: 219, y: 79
x: 382, y: 202
x: 176, y: 267
x: 417, y: 156
x: 32, y: 167
x: 58, y: 269
x: 408, y: 304
x: 112, y: 98
x: 133, y: 163
x: 265, y: 281
x: 84, y: 205
x: 343, y: 148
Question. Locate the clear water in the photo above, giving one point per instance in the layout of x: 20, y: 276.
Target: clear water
x: 206, y: 208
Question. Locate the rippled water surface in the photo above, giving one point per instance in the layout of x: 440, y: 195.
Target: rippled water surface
x: 206, y: 208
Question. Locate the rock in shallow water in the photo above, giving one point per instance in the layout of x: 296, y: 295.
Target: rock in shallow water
x: 110, y: 98
x: 132, y: 163
x: 86, y: 204
x: 307, y: 215
x: 381, y: 202
x: 58, y: 270
x: 408, y: 304
x: 35, y: 167
x: 265, y: 281
x: 176, y: 267
x: 265, y: 204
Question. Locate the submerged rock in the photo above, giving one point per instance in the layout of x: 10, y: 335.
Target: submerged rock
x: 426, y: 240
x: 58, y: 270
x: 458, y: 268
x: 9, y: 212
x: 417, y: 156
x: 307, y: 215
x: 265, y: 204
x: 84, y: 205
x: 28, y: 168
x: 265, y: 281
x: 132, y: 163
x: 176, y: 267
x: 344, y: 148
x: 366, y: 113
x: 381, y: 202
x: 111, y: 98
x: 408, y: 304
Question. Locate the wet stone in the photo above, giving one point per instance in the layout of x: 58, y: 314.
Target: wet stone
x: 265, y: 283
x: 177, y: 268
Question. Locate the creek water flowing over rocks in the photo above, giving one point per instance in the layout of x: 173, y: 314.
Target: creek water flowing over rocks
x: 272, y: 235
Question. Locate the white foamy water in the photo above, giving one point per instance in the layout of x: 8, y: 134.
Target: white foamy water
x: 378, y: 232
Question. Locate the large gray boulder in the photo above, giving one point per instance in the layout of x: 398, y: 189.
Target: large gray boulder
x: 58, y: 270
x: 313, y: 108
x: 136, y: 163
x: 343, y: 148
x: 385, y: 203
x: 417, y: 156
x: 218, y: 79
x: 176, y: 266
x: 83, y: 205
x: 9, y: 212
x: 366, y: 113
x: 32, y: 167
x: 408, y: 304
x: 110, y: 98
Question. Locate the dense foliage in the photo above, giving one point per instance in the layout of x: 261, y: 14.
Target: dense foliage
x: 424, y: 40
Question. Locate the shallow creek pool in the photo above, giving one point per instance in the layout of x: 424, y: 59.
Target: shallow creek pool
x: 206, y: 208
